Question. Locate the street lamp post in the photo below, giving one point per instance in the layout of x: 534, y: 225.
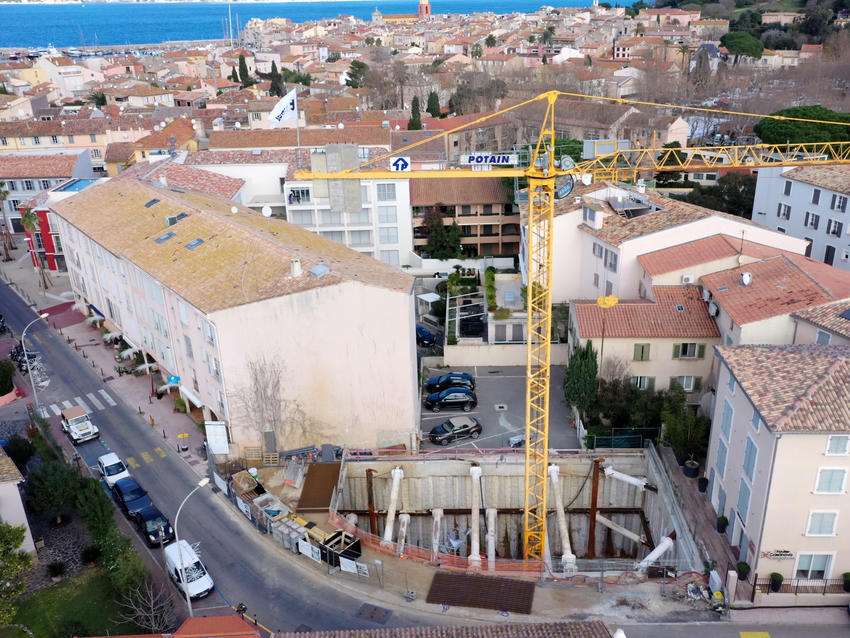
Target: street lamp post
x: 183, y: 581
x: 43, y: 315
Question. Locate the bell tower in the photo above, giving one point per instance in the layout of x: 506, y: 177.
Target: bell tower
x: 424, y: 10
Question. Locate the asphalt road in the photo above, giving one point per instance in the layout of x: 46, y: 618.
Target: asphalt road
x: 246, y: 568
x: 736, y: 630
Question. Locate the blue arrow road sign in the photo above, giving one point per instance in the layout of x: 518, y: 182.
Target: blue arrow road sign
x: 400, y: 164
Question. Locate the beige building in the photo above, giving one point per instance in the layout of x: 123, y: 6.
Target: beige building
x: 828, y: 324
x: 779, y: 455
x: 11, y: 506
x: 651, y: 341
x: 228, y: 300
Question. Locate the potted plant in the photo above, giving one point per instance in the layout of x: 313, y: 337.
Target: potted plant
x: 702, y: 483
x: 743, y: 569
x: 56, y: 569
x: 776, y: 581
x: 722, y: 523
x: 90, y: 554
x: 691, y: 468
x: 846, y: 577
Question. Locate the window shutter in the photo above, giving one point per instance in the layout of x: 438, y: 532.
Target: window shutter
x: 638, y: 352
x: 677, y: 350
x: 701, y: 351
x: 697, y: 384
x: 650, y: 384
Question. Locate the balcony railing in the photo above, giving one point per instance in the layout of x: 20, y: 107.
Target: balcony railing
x: 802, y: 586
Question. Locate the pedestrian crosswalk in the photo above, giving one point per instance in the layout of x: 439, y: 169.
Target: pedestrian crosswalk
x: 91, y: 403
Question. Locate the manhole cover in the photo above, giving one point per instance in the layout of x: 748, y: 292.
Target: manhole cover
x: 371, y: 612
x: 501, y: 407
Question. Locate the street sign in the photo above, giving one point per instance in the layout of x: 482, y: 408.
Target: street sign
x: 400, y: 165
x: 173, y: 379
x: 490, y: 159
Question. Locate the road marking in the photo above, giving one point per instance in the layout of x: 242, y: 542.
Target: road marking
x: 754, y: 634
x: 147, y: 457
x: 160, y: 451
x: 56, y: 409
x: 67, y: 404
x: 82, y: 404
x: 107, y: 398
x: 133, y: 462
x: 97, y: 404
x: 443, y: 415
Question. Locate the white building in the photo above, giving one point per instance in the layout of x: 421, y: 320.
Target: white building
x: 218, y: 297
x: 809, y: 202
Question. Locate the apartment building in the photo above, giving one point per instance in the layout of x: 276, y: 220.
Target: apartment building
x: 483, y: 208
x: 778, y: 459
x: 28, y: 174
x: 809, y: 202
x: 828, y: 324
x: 216, y: 297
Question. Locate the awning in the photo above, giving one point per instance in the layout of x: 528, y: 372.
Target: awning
x: 191, y: 397
x: 429, y: 297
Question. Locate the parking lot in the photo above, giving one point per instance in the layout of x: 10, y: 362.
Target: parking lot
x: 501, y: 409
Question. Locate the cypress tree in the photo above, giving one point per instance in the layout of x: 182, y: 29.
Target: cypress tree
x: 234, y: 76
x: 433, y: 104
x: 244, y: 76
x: 415, y: 121
x: 274, y: 77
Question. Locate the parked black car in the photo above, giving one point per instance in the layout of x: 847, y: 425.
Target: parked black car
x: 150, y: 521
x: 130, y: 496
x: 450, y: 380
x: 457, y: 427
x: 457, y: 398
x: 425, y: 337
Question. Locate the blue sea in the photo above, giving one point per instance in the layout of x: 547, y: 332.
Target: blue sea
x: 123, y: 23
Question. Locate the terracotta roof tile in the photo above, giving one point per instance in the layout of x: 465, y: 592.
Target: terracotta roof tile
x: 701, y: 251
x: 488, y: 190
x: 24, y: 166
x: 643, y: 318
x: 185, y: 177
x: 780, y: 285
x: 240, y: 259
x: 572, y: 629
x: 835, y: 178
x: 795, y: 388
x: 828, y: 317
x: 284, y: 138
x: 8, y: 470
x: 118, y: 152
x: 216, y: 627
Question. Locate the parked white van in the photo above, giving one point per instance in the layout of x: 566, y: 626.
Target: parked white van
x: 198, y: 581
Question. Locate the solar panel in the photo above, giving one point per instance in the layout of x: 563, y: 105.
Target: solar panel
x: 164, y: 238
x: 845, y: 314
x: 723, y: 288
x: 151, y: 203
x: 194, y: 244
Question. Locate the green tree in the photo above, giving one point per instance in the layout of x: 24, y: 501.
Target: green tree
x: 295, y: 77
x: 20, y: 449
x: 739, y: 43
x: 51, y: 486
x: 275, y: 79
x: 95, y: 508
x: 475, y: 52
x: 334, y: 56
x: 671, y: 158
x: 244, y: 77
x: 778, y: 131
x: 686, y: 433
x: 123, y: 565
x: 433, y: 107
x: 234, y: 75
x: 369, y: 41
x: 14, y: 564
x: 816, y: 22
x: 415, y: 121
x: 547, y: 36
x: 356, y: 74
x: 7, y: 376
x: 733, y: 194
x: 748, y: 21
x: 580, y: 379
x: 443, y: 243
x: 98, y: 98
x: 490, y: 41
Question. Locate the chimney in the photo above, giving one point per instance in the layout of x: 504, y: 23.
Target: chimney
x: 641, y: 186
x: 294, y: 267
x: 163, y: 180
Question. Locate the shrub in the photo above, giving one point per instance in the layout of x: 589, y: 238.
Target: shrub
x: 180, y: 404
x: 451, y: 340
x: 90, y: 554
x: 7, y: 375
x: 56, y: 568
x: 95, y: 508
x: 501, y: 313
x: 20, y: 450
x: 743, y: 568
x: 51, y: 486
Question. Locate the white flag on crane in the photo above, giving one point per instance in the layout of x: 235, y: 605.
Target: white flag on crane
x: 286, y: 110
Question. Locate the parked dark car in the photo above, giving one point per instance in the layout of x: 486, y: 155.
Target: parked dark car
x: 150, y: 521
x: 130, y: 496
x: 453, y: 398
x: 457, y: 427
x: 425, y: 337
x: 450, y: 380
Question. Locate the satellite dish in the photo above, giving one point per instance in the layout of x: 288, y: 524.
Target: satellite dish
x: 163, y: 124
x: 237, y: 126
x: 397, y: 127
x: 267, y: 211
x: 340, y: 126
x: 587, y: 179
x: 234, y: 210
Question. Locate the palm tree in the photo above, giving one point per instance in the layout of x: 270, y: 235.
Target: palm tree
x: 7, y: 239
x: 684, y: 50
x: 29, y: 220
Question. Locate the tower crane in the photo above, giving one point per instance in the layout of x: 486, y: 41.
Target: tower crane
x: 542, y: 171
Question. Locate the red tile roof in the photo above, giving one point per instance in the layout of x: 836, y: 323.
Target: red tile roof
x: 828, y: 317
x: 780, y: 285
x: 835, y: 178
x: 284, y: 138
x: 795, y: 388
x: 647, y: 319
x: 573, y: 629
x: 701, y: 251
x: 185, y: 177
x: 118, y: 152
x: 488, y: 190
x: 216, y: 627
x: 27, y: 166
